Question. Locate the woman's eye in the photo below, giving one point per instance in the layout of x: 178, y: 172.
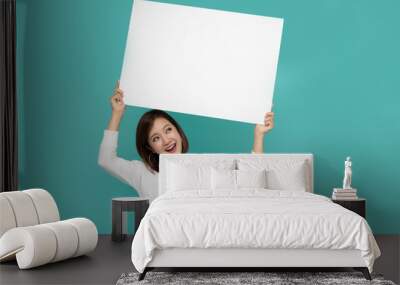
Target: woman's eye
x: 155, y: 139
x: 169, y: 129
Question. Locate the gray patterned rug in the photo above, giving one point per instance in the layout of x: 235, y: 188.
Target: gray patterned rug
x: 230, y: 278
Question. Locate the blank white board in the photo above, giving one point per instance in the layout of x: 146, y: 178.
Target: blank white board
x: 201, y: 61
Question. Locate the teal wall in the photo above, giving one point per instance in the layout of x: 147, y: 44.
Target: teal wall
x: 337, y: 94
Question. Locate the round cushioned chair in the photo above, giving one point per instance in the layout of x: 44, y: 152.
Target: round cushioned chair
x: 32, y: 233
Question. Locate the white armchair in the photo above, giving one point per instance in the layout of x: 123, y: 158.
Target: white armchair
x: 32, y: 233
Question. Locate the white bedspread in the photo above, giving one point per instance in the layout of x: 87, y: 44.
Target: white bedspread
x: 251, y: 218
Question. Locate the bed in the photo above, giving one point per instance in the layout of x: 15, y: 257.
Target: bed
x: 244, y: 211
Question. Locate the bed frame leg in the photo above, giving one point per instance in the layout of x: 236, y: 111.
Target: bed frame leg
x: 143, y: 274
x: 364, y: 271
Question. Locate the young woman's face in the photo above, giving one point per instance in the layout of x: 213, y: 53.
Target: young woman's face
x: 164, y: 137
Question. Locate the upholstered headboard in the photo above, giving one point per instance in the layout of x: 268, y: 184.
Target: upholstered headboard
x: 216, y: 158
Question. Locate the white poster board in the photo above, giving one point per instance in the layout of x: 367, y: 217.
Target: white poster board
x: 201, y: 61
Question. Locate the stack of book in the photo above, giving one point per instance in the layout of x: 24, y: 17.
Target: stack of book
x: 344, y: 194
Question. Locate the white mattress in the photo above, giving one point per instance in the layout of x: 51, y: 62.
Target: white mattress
x: 252, y: 218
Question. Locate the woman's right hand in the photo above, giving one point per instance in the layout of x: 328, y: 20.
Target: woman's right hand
x: 117, y: 101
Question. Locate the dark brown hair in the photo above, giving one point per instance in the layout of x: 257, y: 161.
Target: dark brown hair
x: 146, y: 122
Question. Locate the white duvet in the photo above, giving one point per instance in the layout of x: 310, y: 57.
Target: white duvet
x: 251, y: 218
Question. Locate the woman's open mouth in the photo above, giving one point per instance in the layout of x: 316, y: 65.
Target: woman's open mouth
x: 171, y: 149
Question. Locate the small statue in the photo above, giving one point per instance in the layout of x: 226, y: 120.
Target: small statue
x: 347, y: 173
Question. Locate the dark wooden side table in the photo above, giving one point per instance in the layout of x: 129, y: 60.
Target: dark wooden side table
x: 120, y: 207
x: 357, y: 206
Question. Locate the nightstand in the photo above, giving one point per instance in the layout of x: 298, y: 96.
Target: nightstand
x: 119, y: 219
x: 358, y: 206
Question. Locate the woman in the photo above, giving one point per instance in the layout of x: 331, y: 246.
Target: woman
x: 157, y: 132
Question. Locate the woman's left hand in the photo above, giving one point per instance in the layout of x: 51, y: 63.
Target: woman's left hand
x: 268, y: 124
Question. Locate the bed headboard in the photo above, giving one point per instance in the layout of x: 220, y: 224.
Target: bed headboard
x: 217, y: 157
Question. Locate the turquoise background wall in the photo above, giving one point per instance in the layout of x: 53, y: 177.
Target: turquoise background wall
x: 337, y: 94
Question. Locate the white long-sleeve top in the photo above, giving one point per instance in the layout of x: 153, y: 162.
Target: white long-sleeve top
x: 132, y: 172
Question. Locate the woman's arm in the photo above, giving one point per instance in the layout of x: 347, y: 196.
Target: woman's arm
x: 260, y: 131
x: 127, y: 171
x: 118, y: 108
x: 115, y: 120
x: 258, y: 143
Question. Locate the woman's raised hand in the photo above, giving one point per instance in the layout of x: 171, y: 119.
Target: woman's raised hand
x: 268, y: 124
x: 117, y: 100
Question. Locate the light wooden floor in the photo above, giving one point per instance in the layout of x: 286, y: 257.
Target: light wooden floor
x: 110, y: 260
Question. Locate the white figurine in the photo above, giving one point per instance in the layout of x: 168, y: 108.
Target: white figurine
x: 347, y: 173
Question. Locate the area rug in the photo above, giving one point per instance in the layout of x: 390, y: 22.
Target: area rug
x: 230, y: 278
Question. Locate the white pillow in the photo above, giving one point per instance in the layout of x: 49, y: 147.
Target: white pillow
x: 181, y: 178
x: 290, y: 179
x: 223, y: 179
x: 237, y: 179
x: 184, y: 175
x: 251, y: 178
x: 282, y: 174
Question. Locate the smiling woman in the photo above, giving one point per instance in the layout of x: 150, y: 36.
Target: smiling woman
x: 155, y: 138
x: 157, y: 132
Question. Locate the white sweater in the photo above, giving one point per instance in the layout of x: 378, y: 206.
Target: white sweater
x: 132, y: 172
